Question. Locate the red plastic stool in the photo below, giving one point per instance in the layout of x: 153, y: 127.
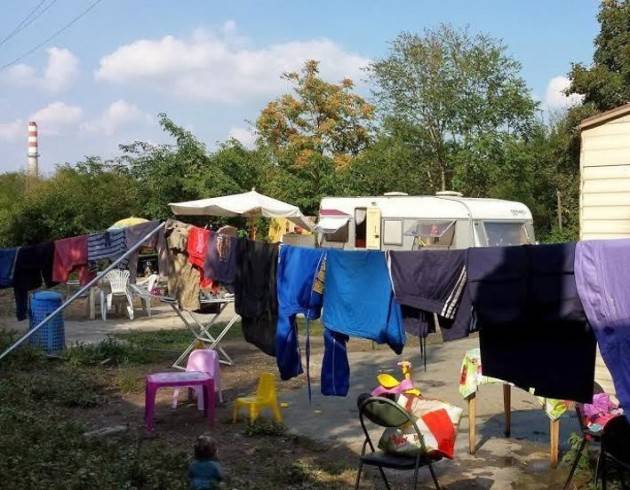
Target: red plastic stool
x: 176, y: 379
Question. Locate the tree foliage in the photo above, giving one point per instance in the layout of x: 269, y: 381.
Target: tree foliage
x: 319, y: 118
x: 605, y: 84
x: 186, y: 170
x: 459, y: 96
x: 88, y: 196
x: 451, y: 112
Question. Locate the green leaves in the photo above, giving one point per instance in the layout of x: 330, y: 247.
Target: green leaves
x: 606, y: 83
x: 457, y: 94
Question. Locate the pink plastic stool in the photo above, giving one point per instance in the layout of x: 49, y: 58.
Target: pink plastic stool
x: 204, y: 361
x: 177, y: 379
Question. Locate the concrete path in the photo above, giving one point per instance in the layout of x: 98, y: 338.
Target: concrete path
x: 89, y: 331
x: 521, y: 461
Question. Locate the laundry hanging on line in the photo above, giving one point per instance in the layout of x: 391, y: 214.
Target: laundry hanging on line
x: 107, y: 246
x: 601, y: 272
x: 428, y: 283
x: 299, y: 292
x: 221, y: 259
x: 7, y: 266
x: 71, y: 254
x: 358, y: 302
x: 33, y: 265
x: 135, y: 233
x: 532, y: 327
x: 255, y: 296
x: 183, y: 277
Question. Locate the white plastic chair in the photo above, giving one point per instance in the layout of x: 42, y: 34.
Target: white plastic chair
x: 205, y: 361
x: 119, y: 287
x: 142, y: 289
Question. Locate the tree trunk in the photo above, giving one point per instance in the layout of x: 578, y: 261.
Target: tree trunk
x: 559, y: 209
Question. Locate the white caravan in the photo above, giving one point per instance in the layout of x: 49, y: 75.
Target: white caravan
x: 397, y: 221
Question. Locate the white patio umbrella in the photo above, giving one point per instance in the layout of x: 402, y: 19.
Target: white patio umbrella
x: 248, y: 204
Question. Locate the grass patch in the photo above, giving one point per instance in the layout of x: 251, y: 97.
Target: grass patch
x: 264, y: 427
x: 43, y: 451
x: 41, y: 441
x: 110, y: 352
x: 173, y: 339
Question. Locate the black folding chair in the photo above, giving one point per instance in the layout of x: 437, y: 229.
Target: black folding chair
x: 615, y: 451
x: 587, y: 436
x: 386, y: 413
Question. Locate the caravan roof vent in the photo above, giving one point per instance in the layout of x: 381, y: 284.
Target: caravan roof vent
x: 449, y: 194
x: 395, y: 194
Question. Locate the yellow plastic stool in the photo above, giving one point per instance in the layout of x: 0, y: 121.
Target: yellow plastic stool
x: 266, y: 396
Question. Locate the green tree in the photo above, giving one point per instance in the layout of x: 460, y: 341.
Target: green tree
x: 605, y: 84
x: 321, y: 118
x: 86, y: 197
x: 460, y: 97
x: 186, y: 170
x: 312, y: 137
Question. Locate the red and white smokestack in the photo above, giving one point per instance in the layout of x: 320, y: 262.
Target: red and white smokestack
x: 32, y: 167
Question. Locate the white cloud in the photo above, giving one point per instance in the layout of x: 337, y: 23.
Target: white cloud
x: 245, y: 135
x: 219, y: 67
x: 556, y: 99
x: 60, y: 73
x: 12, y: 131
x: 56, y: 116
x: 118, y: 115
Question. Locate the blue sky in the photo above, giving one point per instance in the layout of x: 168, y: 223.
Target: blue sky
x: 211, y: 66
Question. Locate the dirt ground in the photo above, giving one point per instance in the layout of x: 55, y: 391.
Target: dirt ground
x: 320, y: 447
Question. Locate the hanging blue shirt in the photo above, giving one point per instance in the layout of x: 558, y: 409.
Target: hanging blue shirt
x: 7, y: 266
x: 298, y: 268
x: 358, y: 302
x: 358, y: 298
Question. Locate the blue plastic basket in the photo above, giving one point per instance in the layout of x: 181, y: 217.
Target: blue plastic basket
x: 51, y: 337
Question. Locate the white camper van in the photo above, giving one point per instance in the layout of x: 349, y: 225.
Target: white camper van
x: 397, y: 221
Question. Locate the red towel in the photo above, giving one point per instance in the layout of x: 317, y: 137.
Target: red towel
x: 71, y: 254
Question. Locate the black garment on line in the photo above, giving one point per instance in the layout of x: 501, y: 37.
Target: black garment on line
x: 432, y: 281
x: 532, y: 327
x: 32, y: 265
x: 255, y: 298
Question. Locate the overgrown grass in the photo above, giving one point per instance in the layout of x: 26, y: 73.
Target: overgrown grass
x: 42, y: 444
x: 173, y: 339
x: 264, y: 427
x: 46, y: 406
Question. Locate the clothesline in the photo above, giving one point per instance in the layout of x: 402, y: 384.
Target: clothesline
x: 524, y: 300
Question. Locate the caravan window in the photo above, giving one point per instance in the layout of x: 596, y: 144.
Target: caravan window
x: 393, y: 232
x: 360, y: 227
x: 430, y: 233
x: 341, y: 235
x: 500, y: 234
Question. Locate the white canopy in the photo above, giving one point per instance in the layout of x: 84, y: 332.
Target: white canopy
x: 330, y: 224
x: 249, y: 204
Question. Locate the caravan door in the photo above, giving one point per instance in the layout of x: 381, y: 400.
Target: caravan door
x: 373, y: 238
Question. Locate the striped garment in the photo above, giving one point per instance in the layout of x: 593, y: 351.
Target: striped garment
x: 429, y: 283
x: 108, y: 245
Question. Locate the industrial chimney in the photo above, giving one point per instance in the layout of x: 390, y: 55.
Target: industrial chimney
x: 32, y: 166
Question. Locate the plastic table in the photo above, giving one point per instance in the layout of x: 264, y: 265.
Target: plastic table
x: 174, y: 380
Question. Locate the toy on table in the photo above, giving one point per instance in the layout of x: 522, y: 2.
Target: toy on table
x: 391, y: 386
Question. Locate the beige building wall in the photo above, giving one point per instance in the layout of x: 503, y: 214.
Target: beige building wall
x: 605, y: 180
x: 605, y: 194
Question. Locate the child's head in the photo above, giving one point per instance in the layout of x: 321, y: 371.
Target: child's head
x: 205, y: 448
